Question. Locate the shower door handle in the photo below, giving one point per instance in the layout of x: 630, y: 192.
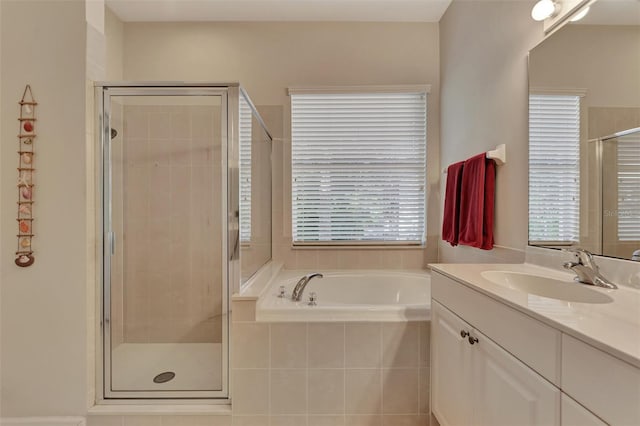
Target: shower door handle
x: 236, y: 231
x: 112, y: 242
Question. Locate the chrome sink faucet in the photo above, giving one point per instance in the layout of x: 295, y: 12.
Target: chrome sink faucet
x: 587, y: 272
x: 296, y: 295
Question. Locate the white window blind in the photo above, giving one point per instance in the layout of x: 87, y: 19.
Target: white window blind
x: 628, y: 149
x: 244, y: 137
x: 554, y: 168
x: 358, y: 167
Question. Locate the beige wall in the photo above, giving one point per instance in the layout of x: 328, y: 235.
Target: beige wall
x: 44, y: 307
x: 2, y: 252
x: 114, y: 35
x: 269, y: 57
x: 483, y: 64
x: 603, y: 59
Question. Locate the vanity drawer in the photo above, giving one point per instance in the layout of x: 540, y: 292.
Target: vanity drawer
x: 529, y: 340
x: 606, y: 385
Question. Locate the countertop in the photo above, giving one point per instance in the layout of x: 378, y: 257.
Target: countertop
x: 612, y: 327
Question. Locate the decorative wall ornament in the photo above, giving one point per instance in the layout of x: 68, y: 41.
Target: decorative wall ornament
x: 26, y: 156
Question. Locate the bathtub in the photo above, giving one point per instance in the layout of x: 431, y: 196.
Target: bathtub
x: 370, y: 295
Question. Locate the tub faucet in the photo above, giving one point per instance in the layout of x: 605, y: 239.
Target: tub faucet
x: 587, y: 272
x: 296, y: 295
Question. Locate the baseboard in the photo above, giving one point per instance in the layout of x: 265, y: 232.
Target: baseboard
x: 43, y: 421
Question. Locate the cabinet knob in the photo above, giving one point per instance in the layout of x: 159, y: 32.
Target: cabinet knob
x: 473, y: 340
x: 464, y: 333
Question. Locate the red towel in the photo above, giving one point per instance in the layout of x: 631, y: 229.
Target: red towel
x: 477, y: 202
x: 452, y: 204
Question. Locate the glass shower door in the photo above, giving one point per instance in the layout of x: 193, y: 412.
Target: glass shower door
x: 166, y: 323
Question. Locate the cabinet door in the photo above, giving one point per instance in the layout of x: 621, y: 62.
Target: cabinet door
x: 506, y: 392
x: 615, y: 396
x: 450, y: 368
x: 574, y: 414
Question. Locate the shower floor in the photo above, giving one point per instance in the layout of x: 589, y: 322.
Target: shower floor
x: 197, y: 366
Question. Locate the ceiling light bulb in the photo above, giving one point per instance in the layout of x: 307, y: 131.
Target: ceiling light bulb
x: 578, y: 16
x: 544, y: 9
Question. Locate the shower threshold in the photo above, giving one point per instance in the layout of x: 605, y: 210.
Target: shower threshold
x: 197, y: 366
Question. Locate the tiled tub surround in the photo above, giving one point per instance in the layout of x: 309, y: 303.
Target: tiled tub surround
x: 322, y: 372
x: 337, y: 373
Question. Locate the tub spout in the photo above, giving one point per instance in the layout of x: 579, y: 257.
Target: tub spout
x: 296, y: 295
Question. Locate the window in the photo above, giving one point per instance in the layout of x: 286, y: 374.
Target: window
x: 554, y: 168
x: 358, y: 167
x: 245, y: 141
x: 628, y: 152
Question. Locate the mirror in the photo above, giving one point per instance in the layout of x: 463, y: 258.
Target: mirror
x: 584, y: 133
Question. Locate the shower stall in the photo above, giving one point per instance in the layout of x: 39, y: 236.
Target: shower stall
x: 185, y: 218
x: 619, y: 168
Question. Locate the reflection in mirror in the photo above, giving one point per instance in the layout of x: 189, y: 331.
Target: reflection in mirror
x: 255, y: 192
x: 584, y: 86
x: 621, y: 197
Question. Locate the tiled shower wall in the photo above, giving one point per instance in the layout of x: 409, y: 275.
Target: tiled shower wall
x: 167, y: 280
x: 117, y: 201
x: 257, y: 251
x: 336, y: 373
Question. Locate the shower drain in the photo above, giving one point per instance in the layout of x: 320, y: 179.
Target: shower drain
x: 164, y: 377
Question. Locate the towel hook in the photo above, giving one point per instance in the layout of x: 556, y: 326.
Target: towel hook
x: 499, y: 154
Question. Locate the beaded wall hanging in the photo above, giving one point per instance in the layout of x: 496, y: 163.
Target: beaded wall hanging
x: 26, y: 154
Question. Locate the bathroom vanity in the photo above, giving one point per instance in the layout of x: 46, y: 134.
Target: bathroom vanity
x: 504, y: 355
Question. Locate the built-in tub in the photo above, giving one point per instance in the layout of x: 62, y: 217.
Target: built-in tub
x: 364, y: 349
x: 370, y: 295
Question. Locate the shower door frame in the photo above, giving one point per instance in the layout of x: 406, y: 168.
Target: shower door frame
x: 228, y: 94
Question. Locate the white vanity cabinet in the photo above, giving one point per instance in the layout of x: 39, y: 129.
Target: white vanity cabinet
x: 476, y: 382
x: 606, y: 385
x: 493, y: 365
x: 450, y: 368
x: 574, y: 414
x: 528, y: 367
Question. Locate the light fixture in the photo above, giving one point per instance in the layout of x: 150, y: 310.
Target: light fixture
x: 545, y: 9
x: 578, y: 16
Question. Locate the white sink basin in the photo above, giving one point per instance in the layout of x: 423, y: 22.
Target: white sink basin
x: 546, y: 287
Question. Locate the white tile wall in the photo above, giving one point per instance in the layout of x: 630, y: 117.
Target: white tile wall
x: 239, y: 420
x: 363, y: 345
x: 148, y: 420
x: 337, y: 373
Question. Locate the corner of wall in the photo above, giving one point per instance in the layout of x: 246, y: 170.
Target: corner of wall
x: 114, y: 39
x: 95, y: 71
x: 44, y: 306
x: 484, y: 103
